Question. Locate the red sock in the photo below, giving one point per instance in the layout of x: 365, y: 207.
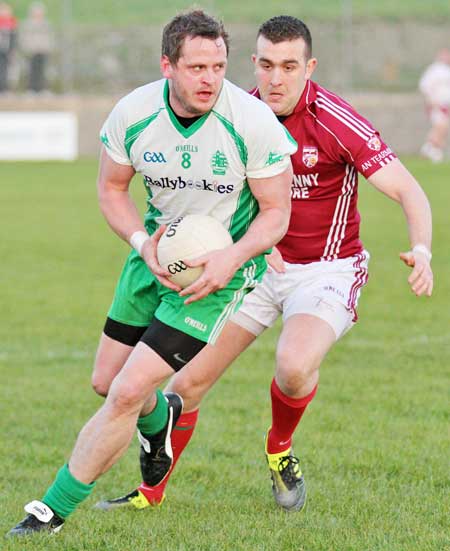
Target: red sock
x: 286, y: 415
x: 181, y: 434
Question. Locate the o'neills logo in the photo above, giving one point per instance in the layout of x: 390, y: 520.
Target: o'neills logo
x: 195, y: 323
x: 180, y: 183
x: 310, y: 156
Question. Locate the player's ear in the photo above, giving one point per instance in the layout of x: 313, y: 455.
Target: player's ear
x: 166, y: 67
x: 254, y: 59
x: 311, y: 65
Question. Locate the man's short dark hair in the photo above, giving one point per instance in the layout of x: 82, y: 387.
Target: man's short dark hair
x: 193, y: 23
x: 285, y: 28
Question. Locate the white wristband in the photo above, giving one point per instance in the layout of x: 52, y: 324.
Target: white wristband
x: 138, y: 239
x: 422, y: 249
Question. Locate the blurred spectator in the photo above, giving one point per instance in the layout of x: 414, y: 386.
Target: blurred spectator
x: 36, y: 41
x: 435, y: 86
x: 8, y: 27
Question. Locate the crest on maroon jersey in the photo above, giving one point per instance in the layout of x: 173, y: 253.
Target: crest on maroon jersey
x: 310, y: 156
x: 374, y: 143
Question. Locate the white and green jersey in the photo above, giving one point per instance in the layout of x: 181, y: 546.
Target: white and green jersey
x: 202, y: 168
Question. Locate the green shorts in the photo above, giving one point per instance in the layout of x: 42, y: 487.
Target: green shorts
x: 139, y: 297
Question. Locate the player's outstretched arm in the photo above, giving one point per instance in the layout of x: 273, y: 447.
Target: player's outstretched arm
x: 269, y: 226
x: 118, y: 208
x: 395, y: 181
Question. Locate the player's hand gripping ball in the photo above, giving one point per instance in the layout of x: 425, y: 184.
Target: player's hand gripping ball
x: 186, y: 238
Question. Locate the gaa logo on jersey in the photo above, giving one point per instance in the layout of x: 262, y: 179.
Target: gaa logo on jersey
x: 374, y: 143
x: 154, y: 157
x: 310, y: 156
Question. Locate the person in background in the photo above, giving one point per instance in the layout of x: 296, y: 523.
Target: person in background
x: 36, y: 43
x: 434, y: 84
x: 8, y: 30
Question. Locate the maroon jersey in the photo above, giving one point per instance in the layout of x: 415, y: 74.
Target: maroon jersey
x: 334, y: 144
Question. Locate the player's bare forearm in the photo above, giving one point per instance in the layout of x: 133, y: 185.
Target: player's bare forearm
x: 274, y: 200
x: 123, y: 217
x: 114, y: 200
x: 120, y: 212
x: 418, y: 216
x: 266, y: 230
x: 397, y: 182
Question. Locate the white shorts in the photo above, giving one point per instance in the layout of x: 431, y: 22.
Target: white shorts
x: 439, y: 114
x: 329, y: 290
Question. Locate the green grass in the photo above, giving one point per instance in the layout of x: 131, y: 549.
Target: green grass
x: 373, y: 444
x: 156, y: 11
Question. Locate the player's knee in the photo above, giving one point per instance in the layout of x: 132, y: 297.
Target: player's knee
x: 110, y: 358
x: 189, y: 387
x: 102, y: 377
x: 100, y: 384
x: 125, y: 397
x: 296, y: 370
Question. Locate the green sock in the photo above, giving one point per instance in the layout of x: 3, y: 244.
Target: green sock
x: 66, y: 493
x: 156, y: 420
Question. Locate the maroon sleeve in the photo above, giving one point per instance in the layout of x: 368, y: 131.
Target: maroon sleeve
x: 371, y: 155
x: 361, y: 145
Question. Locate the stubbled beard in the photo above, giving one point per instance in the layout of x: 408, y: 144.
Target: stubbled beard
x: 186, y: 106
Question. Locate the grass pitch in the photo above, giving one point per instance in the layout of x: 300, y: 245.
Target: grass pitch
x: 373, y: 444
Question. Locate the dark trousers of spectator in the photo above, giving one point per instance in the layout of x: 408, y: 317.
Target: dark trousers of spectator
x: 3, y: 71
x: 37, y: 72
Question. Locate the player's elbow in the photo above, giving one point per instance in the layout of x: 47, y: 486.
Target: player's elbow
x: 413, y: 198
x: 103, y: 194
x: 108, y: 199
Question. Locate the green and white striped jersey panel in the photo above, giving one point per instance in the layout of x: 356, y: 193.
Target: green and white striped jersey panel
x: 249, y: 282
x: 203, y: 168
